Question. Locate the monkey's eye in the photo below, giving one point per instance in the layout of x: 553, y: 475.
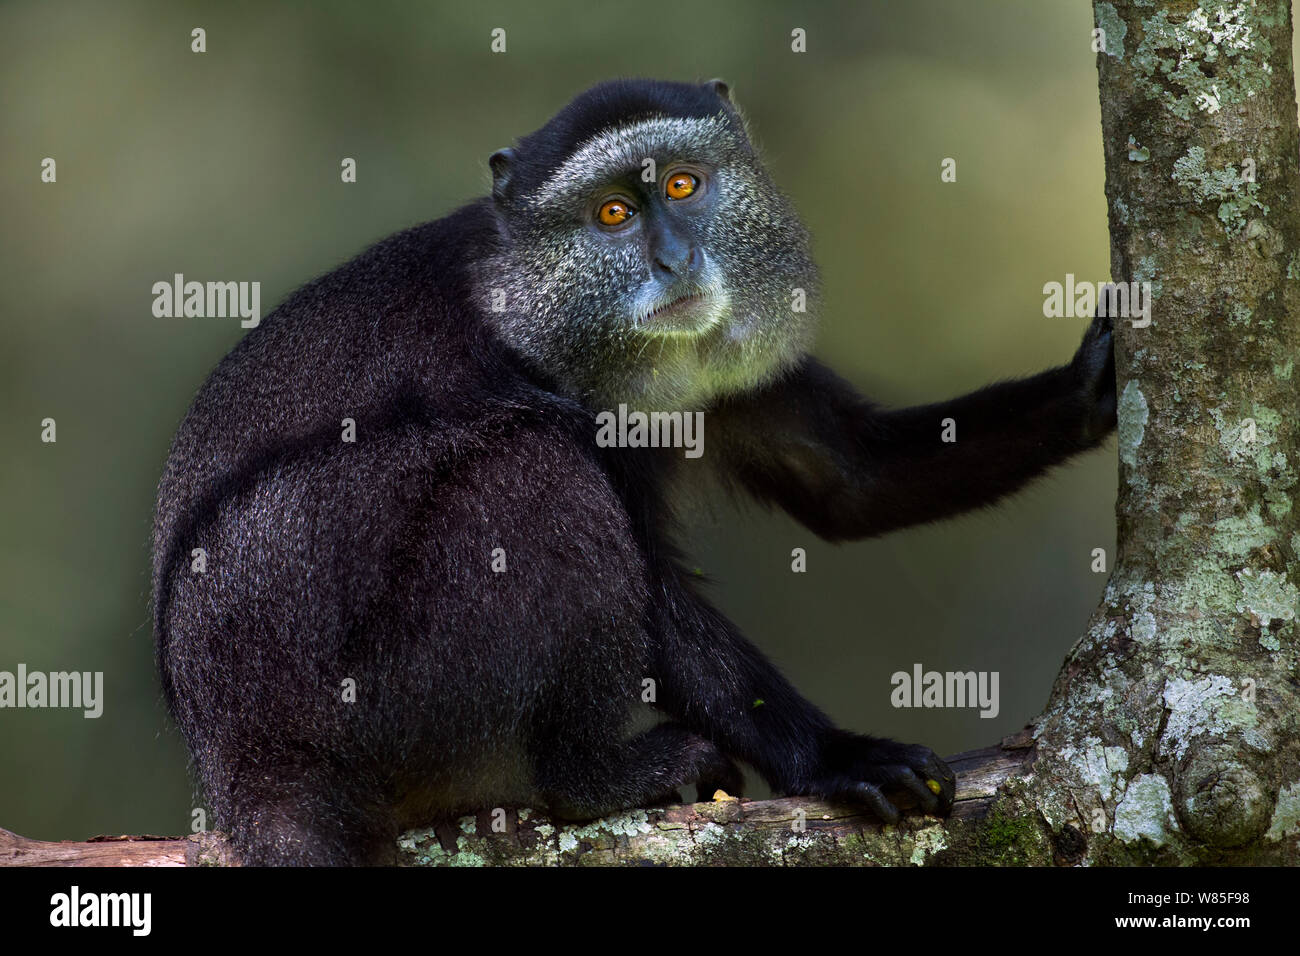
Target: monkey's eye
x: 615, y: 212
x: 681, y: 185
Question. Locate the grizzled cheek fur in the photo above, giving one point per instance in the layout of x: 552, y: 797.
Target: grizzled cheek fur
x: 576, y: 276
x: 757, y: 240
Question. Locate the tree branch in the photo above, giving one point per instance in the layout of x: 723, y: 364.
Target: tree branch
x: 795, y: 831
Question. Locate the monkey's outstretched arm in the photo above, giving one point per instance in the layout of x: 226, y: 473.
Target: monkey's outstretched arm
x: 847, y: 469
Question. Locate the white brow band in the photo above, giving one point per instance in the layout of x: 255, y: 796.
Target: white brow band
x: 621, y: 147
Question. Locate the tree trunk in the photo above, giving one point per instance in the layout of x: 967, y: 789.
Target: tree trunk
x: 1170, y: 736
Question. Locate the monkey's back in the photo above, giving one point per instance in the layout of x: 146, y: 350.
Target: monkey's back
x: 326, y: 561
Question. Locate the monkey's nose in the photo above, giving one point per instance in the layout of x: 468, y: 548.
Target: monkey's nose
x: 681, y: 262
x: 695, y: 261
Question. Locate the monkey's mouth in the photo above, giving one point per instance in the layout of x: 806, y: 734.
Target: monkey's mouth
x: 688, y: 314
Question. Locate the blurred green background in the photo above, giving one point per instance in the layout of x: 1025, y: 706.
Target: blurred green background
x: 225, y: 165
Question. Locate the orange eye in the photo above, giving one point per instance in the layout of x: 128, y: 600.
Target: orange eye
x: 680, y: 185
x: 615, y: 212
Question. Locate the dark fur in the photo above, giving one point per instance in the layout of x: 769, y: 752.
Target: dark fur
x: 329, y: 560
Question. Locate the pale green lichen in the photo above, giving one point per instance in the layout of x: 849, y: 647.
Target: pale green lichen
x: 1270, y: 460
x: 1259, y: 739
x: 1267, y: 597
x: 1286, y: 815
x: 1293, y: 266
x: 1235, y: 196
x: 1098, y: 766
x: 1145, y: 271
x: 1278, y: 498
x: 1133, y: 414
x: 408, y: 841
x: 426, y: 849
x: 466, y: 857
x: 1236, y: 537
x: 796, y: 846
x: 1239, y: 314
x: 1114, y: 29
x: 709, y: 833
x: 1249, y: 437
x: 927, y: 842
x: 1209, y: 705
x: 1211, y: 58
x: 1283, y: 371
x: 1146, y: 811
x: 632, y: 823
x: 1141, y: 605
x: 1206, y: 594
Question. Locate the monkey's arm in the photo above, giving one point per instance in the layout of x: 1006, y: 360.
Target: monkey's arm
x: 846, y: 469
x: 720, y: 686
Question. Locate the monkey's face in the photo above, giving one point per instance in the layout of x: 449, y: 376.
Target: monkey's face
x: 656, y: 264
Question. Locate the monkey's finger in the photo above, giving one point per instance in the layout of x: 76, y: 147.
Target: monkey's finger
x: 907, y: 779
x: 871, y: 796
x: 937, y: 778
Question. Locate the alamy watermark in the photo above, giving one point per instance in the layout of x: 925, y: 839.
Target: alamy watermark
x: 74, y: 908
x: 651, y: 430
x: 210, y: 300
x: 79, y: 689
x: 1084, y: 300
x: 923, y: 688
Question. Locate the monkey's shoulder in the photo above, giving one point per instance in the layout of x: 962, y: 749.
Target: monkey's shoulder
x: 388, y: 344
x: 416, y: 283
x: 395, y: 324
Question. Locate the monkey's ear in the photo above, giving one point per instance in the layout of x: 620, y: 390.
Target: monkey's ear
x: 722, y: 88
x: 502, y: 163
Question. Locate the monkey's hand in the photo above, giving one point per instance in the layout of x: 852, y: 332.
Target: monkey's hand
x: 882, y: 774
x: 1093, y: 369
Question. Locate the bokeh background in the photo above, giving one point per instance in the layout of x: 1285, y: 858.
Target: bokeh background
x: 225, y: 165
